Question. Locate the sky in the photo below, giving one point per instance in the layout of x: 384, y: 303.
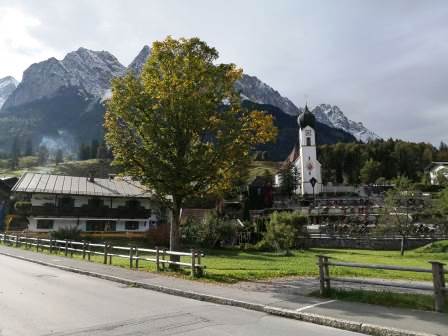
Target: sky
x: 383, y: 62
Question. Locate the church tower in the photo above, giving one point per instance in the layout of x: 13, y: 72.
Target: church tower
x: 307, y: 165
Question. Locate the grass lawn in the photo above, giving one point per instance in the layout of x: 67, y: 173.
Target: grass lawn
x: 233, y: 265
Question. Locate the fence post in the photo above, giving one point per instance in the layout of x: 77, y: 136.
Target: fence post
x: 84, y: 249
x: 66, y: 247
x: 193, y: 266
x: 37, y: 245
x: 199, y: 269
x: 88, y: 251
x: 163, y: 258
x: 109, y: 248
x: 157, y: 259
x: 71, y: 249
x: 326, y: 274
x: 105, y: 254
x: 136, y: 258
x: 321, y: 275
x: 438, y: 279
x: 131, y: 249
x: 17, y: 241
x: 4, y: 238
x: 51, y: 246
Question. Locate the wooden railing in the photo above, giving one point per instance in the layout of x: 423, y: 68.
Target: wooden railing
x: 135, y: 255
x: 438, y: 276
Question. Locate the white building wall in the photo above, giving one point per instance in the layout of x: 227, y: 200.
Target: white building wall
x: 307, y: 163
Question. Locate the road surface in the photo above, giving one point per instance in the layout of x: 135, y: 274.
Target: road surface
x: 39, y: 300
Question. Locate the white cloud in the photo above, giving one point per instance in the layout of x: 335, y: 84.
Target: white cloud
x: 19, y: 47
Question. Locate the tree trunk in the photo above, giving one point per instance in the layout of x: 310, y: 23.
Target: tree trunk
x: 174, y: 231
x: 403, y: 245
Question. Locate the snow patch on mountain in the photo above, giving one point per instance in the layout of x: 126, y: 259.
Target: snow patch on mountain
x: 7, y: 86
x: 333, y: 116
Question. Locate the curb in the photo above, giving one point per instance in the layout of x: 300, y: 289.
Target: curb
x: 364, y: 328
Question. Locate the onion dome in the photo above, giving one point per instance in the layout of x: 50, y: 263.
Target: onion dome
x: 306, y: 118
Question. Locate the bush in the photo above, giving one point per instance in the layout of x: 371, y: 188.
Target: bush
x: 283, y: 229
x: 70, y: 233
x: 261, y: 246
x: 158, y: 236
x: 208, y: 232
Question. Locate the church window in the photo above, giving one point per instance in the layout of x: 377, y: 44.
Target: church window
x: 308, y: 141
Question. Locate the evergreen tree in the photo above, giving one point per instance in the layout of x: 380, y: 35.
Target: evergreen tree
x: 94, y: 149
x: 43, y: 155
x: 288, y: 179
x: 102, y: 152
x: 59, y: 157
x: 84, y: 152
x: 29, y: 147
x: 370, y: 172
x: 15, y: 153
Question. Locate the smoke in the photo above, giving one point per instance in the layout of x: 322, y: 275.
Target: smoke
x: 63, y: 141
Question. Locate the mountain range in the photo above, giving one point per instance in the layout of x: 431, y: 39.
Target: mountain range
x: 64, y: 99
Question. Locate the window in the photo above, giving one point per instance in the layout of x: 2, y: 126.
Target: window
x: 133, y: 204
x: 100, y: 225
x: 95, y: 202
x: 45, y: 224
x: 66, y: 202
x: 131, y: 225
x: 308, y: 141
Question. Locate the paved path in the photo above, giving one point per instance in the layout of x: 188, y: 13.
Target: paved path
x: 280, y: 294
x: 39, y: 300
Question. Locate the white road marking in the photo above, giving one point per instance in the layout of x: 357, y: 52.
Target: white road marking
x: 314, y: 305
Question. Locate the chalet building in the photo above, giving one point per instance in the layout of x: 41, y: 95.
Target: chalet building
x: 436, y: 169
x: 90, y: 204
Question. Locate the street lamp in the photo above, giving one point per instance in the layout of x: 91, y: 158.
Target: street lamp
x: 313, y: 182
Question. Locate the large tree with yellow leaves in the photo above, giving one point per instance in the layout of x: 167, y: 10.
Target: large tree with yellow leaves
x: 180, y: 128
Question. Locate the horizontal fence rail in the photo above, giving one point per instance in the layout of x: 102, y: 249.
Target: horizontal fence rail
x: 437, y: 270
x: 159, y: 256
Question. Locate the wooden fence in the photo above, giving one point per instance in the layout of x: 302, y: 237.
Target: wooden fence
x: 135, y: 255
x: 438, y: 276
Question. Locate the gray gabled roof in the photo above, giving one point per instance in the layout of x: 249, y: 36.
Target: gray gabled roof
x: 74, y: 185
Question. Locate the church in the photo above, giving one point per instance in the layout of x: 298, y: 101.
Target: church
x: 303, y: 157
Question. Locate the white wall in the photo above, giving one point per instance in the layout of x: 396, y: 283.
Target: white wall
x: 66, y: 222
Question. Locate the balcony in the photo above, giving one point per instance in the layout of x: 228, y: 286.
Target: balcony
x: 91, y: 212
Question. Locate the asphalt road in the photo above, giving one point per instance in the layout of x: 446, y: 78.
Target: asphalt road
x: 38, y: 300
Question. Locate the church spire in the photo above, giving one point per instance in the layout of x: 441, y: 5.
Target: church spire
x: 306, y: 118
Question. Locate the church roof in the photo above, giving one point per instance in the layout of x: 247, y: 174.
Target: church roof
x: 306, y: 118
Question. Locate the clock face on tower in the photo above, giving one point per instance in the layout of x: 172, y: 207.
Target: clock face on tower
x: 308, y: 132
x: 309, y: 166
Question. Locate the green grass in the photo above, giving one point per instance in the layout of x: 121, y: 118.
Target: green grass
x: 233, y: 265
x: 383, y: 298
x: 75, y: 168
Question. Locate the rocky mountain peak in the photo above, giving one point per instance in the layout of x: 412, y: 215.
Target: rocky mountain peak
x: 136, y: 66
x: 253, y: 89
x: 7, y: 85
x: 333, y: 116
x: 86, y: 70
